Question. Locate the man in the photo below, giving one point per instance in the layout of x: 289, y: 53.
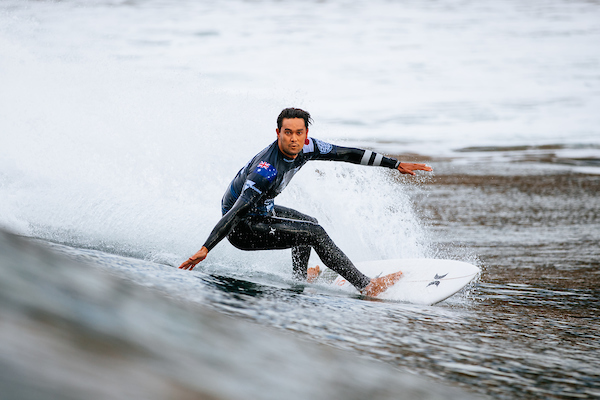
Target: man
x: 251, y: 220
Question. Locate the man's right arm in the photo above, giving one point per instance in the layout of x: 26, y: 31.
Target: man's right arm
x: 257, y: 183
x: 224, y: 226
x: 231, y: 218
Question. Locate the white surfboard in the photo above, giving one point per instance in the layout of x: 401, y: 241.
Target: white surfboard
x: 424, y: 280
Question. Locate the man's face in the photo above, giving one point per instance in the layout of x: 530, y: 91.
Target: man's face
x: 291, y: 136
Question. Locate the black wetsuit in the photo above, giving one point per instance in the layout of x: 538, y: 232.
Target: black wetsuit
x: 251, y: 221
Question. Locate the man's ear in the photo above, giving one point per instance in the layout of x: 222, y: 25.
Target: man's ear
x: 277, y: 130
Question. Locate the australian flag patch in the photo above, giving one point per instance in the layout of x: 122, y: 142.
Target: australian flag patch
x: 267, y: 170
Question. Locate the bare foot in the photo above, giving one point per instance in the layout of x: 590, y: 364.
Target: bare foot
x: 312, y: 274
x: 380, y: 285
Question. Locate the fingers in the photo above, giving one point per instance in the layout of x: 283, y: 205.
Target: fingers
x: 191, y: 262
x: 405, y: 168
x: 405, y: 171
x: 188, y: 264
x: 418, y: 167
x: 408, y: 168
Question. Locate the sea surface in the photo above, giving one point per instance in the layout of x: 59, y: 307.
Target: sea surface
x: 122, y: 122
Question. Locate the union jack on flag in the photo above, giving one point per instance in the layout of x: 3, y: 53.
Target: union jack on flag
x: 264, y: 164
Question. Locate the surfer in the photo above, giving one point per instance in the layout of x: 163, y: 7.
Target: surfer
x: 251, y: 220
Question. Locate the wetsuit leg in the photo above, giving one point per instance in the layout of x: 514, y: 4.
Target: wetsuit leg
x: 300, y: 254
x: 272, y: 233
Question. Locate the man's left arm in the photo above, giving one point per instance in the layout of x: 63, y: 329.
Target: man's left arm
x: 326, y: 151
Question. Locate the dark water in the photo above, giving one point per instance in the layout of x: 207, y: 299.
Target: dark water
x: 528, y: 328
x: 534, y: 325
x: 69, y: 330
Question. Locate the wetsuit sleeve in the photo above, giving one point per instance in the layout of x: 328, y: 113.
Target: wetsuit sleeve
x: 232, y: 217
x: 329, y: 152
x: 257, y: 183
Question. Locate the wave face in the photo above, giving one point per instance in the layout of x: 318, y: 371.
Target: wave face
x: 70, y: 330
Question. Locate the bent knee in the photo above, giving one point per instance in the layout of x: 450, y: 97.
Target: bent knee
x: 318, y: 230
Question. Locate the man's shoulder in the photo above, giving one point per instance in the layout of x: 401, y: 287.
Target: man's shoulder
x: 264, y: 164
x: 317, y: 146
x: 268, y: 154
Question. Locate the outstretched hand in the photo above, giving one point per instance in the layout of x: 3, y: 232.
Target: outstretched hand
x: 191, y: 262
x: 408, y: 168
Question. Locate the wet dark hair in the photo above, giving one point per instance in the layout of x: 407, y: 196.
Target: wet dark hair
x: 294, y: 113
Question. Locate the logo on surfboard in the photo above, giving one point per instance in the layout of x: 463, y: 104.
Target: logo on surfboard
x: 436, y: 281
